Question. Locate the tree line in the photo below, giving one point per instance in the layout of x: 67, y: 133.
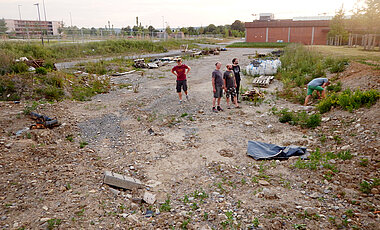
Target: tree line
x: 365, y: 19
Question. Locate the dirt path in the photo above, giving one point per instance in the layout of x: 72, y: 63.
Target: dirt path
x: 195, y: 159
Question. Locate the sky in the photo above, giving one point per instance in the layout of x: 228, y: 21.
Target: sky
x: 184, y: 13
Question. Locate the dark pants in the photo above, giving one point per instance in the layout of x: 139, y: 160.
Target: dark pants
x: 237, y: 88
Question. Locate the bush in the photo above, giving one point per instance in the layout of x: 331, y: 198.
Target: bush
x: 301, y: 118
x: 349, y: 100
x: 50, y: 93
x: 336, y: 87
x: 19, y: 67
x: 41, y: 70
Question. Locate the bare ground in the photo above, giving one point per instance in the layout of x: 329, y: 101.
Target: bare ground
x: 45, y: 176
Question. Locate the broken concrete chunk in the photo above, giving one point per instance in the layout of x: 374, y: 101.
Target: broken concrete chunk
x: 149, y: 198
x: 121, y: 181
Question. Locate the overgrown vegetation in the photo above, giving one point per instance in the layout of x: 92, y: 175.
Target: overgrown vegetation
x: 300, y: 65
x: 349, y: 100
x: 54, y: 86
x: 322, y: 160
x: 303, y: 119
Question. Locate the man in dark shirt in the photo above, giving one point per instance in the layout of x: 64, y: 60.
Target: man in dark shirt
x: 236, y: 70
x: 180, y: 71
x: 217, y: 87
x: 230, y: 86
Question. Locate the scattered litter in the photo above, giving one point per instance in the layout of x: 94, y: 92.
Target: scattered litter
x: 43, y: 121
x: 252, y: 94
x: 260, y: 151
x: 262, y: 81
x: 123, y: 73
x: 21, y: 131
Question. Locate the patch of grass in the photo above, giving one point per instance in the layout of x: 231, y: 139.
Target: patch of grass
x: 335, y: 87
x: 70, y: 138
x: 184, y: 114
x: 82, y: 144
x: 300, y: 118
x: 318, y: 160
x: 165, y: 207
x: 363, y: 162
x: 41, y: 70
x: 345, y: 155
x: 366, y: 187
x: 53, y: 223
x: 185, y: 223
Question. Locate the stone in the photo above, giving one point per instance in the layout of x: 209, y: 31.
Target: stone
x: 375, y: 191
x: 121, y: 181
x: 114, y: 191
x: 314, y: 195
x: 264, y: 182
x: 149, y: 198
x: 345, y: 147
x: 44, y: 219
x: 248, y: 123
x: 325, y: 119
x: 133, y: 218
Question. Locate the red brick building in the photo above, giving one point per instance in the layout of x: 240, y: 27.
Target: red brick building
x: 308, y: 32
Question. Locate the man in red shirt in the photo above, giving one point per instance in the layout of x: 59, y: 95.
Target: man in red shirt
x: 180, y: 71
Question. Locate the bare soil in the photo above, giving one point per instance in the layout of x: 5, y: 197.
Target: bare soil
x: 45, y: 176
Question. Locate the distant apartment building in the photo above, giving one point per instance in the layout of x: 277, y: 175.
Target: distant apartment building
x: 32, y: 28
x: 305, y: 30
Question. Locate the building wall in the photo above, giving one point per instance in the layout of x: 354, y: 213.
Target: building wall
x: 32, y: 27
x: 288, y: 31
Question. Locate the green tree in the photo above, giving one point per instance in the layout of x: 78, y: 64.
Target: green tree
x: 238, y: 25
x: 168, y: 30
x: 3, y: 26
x: 338, y: 24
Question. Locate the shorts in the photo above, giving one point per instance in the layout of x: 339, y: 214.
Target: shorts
x: 231, y: 92
x: 181, y: 84
x: 311, y: 88
x: 219, y: 92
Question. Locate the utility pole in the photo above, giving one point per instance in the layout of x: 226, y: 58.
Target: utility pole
x: 19, y: 14
x: 71, y: 27
x: 39, y: 19
x: 43, y: 2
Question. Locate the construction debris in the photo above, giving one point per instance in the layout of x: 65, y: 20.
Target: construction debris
x: 121, y: 181
x: 43, y: 121
x: 262, y: 81
x: 252, y: 94
x: 149, y: 198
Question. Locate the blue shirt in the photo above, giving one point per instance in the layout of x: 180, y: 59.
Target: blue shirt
x: 318, y: 82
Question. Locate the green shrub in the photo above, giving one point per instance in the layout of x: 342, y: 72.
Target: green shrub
x: 50, y: 93
x: 301, y: 118
x: 336, y: 87
x: 338, y: 65
x: 345, y: 155
x: 19, y: 67
x: 41, y: 70
x: 348, y: 100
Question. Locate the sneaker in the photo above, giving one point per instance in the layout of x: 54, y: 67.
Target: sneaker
x: 228, y: 107
x: 214, y: 110
x: 187, y: 97
x: 219, y: 108
x: 180, y: 102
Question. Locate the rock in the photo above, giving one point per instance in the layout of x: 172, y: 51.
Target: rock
x: 270, y: 126
x: 268, y: 194
x: 149, y: 198
x: 114, y: 191
x: 248, y: 123
x: 264, y: 182
x: 133, y: 218
x: 325, y: 119
x: 314, y: 195
x: 357, y: 126
x: 44, y: 219
x: 124, y: 215
x: 345, y: 147
x: 121, y: 181
x: 327, y: 191
x: 45, y: 208
x: 8, y: 146
x: 375, y: 191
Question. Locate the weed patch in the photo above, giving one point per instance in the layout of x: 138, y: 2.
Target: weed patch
x: 300, y: 118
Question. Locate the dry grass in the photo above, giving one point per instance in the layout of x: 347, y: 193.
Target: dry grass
x: 355, y: 54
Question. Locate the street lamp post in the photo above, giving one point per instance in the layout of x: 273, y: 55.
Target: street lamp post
x: 19, y: 14
x: 39, y: 19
